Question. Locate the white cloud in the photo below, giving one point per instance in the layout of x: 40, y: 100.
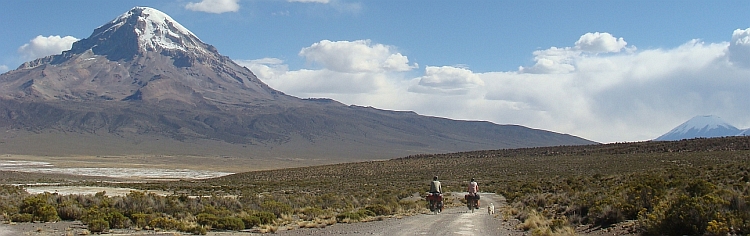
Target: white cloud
x: 214, y: 6
x: 44, y: 46
x: 354, y: 67
x: 317, y: 83
x: 3, y: 68
x: 265, y: 68
x: 624, y: 97
x: 356, y: 56
x: 600, y: 43
x: 739, y: 47
x: 447, y: 80
x: 348, y: 67
x: 310, y: 1
x: 552, y: 61
x: 562, y: 60
x: 597, y: 88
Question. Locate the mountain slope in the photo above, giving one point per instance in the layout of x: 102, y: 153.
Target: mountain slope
x: 144, y: 77
x: 141, y: 55
x: 700, y: 127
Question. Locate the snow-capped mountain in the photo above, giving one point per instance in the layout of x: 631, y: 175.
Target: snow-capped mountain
x: 143, y: 76
x: 141, y: 55
x: 155, y: 30
x: 701, y: 127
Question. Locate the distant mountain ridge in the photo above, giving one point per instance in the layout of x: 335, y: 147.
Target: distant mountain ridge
x: 707, y: 126
x: 143, y: 78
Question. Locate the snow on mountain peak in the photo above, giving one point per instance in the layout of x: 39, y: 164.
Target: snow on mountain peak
x: 703, y: 122
x: 701, y: 126
x: 155, y: 30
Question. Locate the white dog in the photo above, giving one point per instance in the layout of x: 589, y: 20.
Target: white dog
x: 491, y: 209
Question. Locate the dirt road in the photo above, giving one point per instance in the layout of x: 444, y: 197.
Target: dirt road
x: 452, y: 221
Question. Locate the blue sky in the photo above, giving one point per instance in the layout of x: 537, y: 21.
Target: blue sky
x: 608, y: 71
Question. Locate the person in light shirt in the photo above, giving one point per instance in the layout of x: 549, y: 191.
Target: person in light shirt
x: 435, y: 186
x: 473, y: 189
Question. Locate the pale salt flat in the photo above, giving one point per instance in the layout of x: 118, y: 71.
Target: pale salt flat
x: 86, y: 190
x: 128, y: 173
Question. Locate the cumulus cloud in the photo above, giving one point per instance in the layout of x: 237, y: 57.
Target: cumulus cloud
x: 356, y: 56
x: 599, y: 43
x: 552, y: 61
x: 739, y: 47
x: 214, y: 6
x: 447, y: 80
x: 44, y: 46
x: 3, y: 68
x: 598, y: 87
x: 346, y: 67
x: 562, y: 60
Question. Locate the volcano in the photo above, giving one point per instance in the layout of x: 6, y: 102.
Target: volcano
x: 708, y: 126
x: 141, y: 55
x: 144, y: 84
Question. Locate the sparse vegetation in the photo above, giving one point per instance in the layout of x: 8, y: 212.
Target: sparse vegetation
x: 690, y: 187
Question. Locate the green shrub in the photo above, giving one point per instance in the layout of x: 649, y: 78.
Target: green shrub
x: 251, y: 221
x: 118, y: 221
x: 207, y: 219
x: 141, y: 219
x: 265, y: 217
x: 277, y: 208
x: 354, y: 215
x: 37, y: 206
x: 93, y: 214
x: 699, y: 188
x: 606, y: 215
x: 22, y: 217
x: 379, y: 210
x: 166, y: 223
x: 199, y: 230
x: 231, y: 223
x: 717, y: 228
x: 685, y: 215
x: 11, y: 198
x: 46, y: 213
x: 313, y: 212
x: 70, y: 211
x: 98, y: 225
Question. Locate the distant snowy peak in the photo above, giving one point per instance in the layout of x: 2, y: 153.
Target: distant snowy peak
x: 701, y: 127
x: 703, y: 122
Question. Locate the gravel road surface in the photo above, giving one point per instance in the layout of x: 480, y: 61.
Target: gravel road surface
x: 452, y: 221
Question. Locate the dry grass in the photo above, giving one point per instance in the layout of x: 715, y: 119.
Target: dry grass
x: 268, y: 229
x: 541, y: 225
x: 534, y: 220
